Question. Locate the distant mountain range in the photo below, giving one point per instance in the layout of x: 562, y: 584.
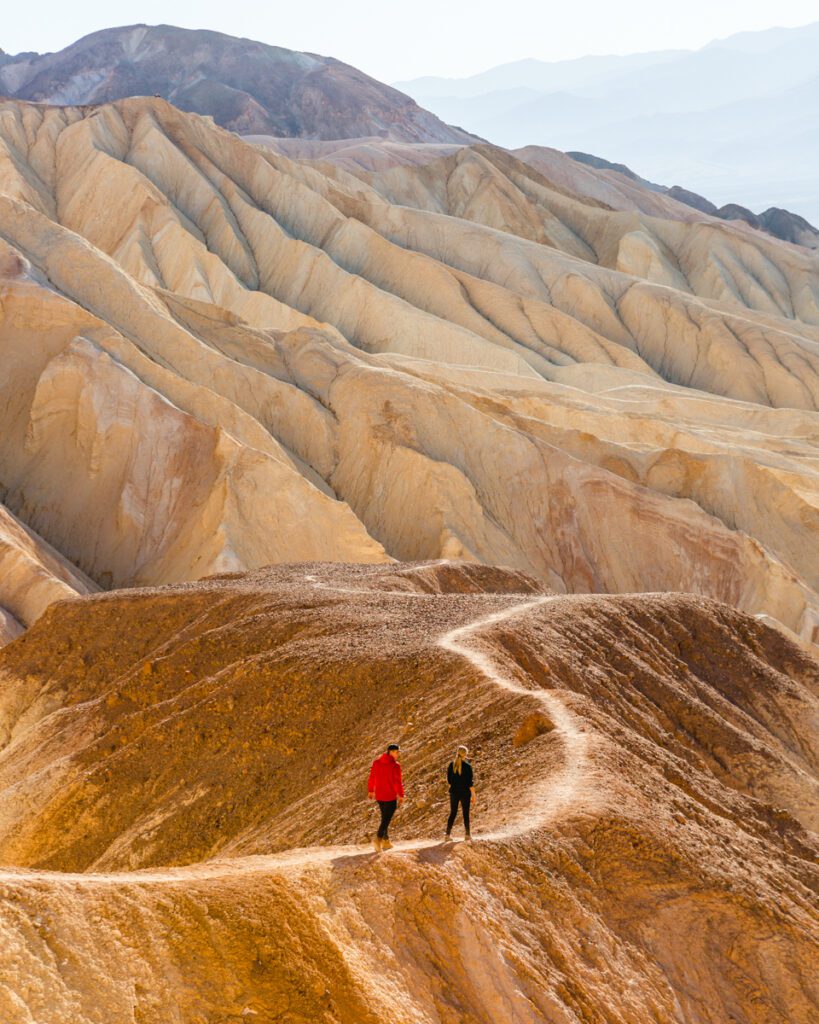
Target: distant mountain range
x: 735, y: 120
x: 244, y: 85
x: 635, y: 109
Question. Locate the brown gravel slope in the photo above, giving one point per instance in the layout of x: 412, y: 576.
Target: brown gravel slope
x: 644, y: 813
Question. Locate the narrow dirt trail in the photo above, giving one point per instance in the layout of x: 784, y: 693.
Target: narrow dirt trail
x: 554, y: 796
x: 551, y: 798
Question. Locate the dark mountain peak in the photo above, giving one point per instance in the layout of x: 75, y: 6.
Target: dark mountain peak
x: 245, y: 85
x: 601, y: 164
x: 733, y: 211
x: 783, y: 224
x: 693, y: 199
x: 790, y: 227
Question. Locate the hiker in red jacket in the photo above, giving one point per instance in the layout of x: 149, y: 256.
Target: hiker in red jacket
x: 386, y: 786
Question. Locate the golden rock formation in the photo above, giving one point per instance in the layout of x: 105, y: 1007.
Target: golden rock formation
x: 218, y: 356
x: 32, y: 576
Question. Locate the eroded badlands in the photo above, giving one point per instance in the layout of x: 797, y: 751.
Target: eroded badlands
x: 217, y: 357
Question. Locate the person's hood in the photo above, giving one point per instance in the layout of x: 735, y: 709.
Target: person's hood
x: 385, y: 757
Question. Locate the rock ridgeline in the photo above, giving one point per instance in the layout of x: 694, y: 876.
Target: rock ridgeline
x: 782, y: 224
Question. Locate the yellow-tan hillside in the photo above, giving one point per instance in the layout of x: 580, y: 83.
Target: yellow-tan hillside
x: 218, y: 357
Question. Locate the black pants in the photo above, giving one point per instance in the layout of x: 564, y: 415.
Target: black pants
x: 387, y: 811
x: 455, y: 799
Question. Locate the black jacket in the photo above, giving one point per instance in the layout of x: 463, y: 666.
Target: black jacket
x: 460, y: 784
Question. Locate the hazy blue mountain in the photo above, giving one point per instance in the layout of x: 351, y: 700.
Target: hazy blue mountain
x: 539, y: 75
x: 735, y: 120
x: 766, y: 40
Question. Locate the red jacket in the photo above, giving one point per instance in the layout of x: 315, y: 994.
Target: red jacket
x: 385, y: 778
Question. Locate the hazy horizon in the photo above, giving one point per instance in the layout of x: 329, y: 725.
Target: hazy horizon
x: 452, y: 41
x: 716, y: 122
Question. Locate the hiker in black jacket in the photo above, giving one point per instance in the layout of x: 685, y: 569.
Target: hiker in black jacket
x: 459, y: 776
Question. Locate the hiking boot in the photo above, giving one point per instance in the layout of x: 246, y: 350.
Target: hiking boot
x: 386, y: 844
x: 378, y: 844
x: 447, y: 838
x: 467, y: 838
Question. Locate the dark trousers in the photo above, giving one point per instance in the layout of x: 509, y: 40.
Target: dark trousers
x: 387, y: 811
x: 455, y: 799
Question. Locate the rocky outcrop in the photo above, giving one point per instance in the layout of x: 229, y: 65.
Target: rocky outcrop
x: 646, y: 787
x: 601, y: 164
x: 733, y: 211
x: 244, y: 85
x: 699, y: 202
x: 790, y: 227
x: 120, y: 463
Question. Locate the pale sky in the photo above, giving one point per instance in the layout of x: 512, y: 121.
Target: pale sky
x: 418, y: 37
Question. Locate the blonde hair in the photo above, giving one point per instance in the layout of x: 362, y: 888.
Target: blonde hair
x: 460, y: 754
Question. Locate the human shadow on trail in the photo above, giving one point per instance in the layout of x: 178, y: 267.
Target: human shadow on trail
x: 435, y: 853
